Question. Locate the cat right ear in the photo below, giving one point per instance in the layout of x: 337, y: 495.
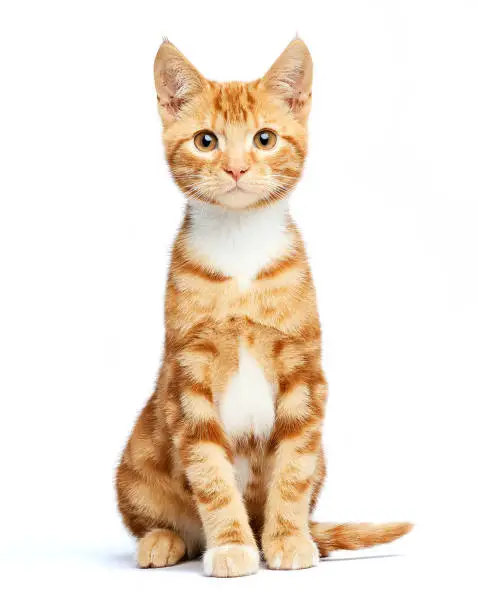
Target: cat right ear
x: 176, y: 81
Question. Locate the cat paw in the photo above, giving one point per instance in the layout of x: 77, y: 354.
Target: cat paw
x: 231, y: 560
x: 291, y: 552
x: 160, y: 548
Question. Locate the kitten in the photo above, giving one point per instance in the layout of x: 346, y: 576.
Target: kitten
x: 227, y: 455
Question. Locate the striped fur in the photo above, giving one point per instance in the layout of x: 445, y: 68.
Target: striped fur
x: 227, y: 455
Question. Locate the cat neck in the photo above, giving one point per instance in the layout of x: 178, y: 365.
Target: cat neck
x: 239, y: 243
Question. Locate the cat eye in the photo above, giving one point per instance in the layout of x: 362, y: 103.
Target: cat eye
x: 265, y: 139
x: 205, y: 141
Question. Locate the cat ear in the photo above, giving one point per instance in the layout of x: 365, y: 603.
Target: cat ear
x: 290, y: 78
x: 176, y: 81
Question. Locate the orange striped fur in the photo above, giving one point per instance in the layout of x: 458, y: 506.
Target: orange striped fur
x: 226, y: 458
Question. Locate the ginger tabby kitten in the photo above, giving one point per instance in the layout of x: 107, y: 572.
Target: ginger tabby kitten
x: 227, y: 455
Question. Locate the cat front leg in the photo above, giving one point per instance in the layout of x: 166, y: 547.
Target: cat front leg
x: 231, y: 549
x: 286, y: 540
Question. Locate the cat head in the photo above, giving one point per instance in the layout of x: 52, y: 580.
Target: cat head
x: 237, y: 145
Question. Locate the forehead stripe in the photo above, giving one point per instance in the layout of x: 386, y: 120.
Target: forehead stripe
x: 234, y: 102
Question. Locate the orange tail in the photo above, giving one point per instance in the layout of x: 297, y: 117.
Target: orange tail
x: 352, y: 536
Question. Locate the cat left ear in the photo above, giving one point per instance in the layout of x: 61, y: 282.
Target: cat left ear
x: 176, y: 81
x: 290, y: 78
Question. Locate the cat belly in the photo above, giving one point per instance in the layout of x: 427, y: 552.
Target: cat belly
x: 247, y: 405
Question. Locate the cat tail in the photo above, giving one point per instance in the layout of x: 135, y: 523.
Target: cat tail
x: 352, y: 536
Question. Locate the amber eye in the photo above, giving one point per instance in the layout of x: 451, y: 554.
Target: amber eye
x: 265, y: 139
x: 205, y: 141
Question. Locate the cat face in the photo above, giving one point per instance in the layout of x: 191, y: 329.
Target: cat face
x: 237, y: 145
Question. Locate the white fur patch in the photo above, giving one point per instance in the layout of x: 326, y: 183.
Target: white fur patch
x: 316, y: 556
x: 241, y: 465
x: 252, y: 554
x: 247, y: 405
x: 239, y: 243
x: 276, y: 562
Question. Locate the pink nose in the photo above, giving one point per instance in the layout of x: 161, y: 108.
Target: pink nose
x: 236, y: 173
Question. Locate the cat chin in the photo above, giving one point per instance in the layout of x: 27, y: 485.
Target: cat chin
x: 238, y: 200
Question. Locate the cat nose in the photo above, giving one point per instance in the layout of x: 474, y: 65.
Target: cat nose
x: 236, y: 172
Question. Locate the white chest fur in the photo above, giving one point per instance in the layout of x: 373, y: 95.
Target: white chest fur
x: 239, y: 243
x: 247, y: 405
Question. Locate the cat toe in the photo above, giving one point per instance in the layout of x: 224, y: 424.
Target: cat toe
x: 231, y: 560
x: 160, y: 548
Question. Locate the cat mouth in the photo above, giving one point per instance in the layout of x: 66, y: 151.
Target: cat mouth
x: 235, y: 189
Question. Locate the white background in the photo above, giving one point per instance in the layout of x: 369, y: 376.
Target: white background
x: 388, y: 208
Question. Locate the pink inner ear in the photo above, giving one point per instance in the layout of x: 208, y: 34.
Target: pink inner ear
x: 298, y: 101
x: 290, y: 77
x: 166, y: 96
x: 172, y: 104
x: 176, y: 80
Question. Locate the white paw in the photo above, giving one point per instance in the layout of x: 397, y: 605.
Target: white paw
x: 231, y: 560
x: 293, y: 552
